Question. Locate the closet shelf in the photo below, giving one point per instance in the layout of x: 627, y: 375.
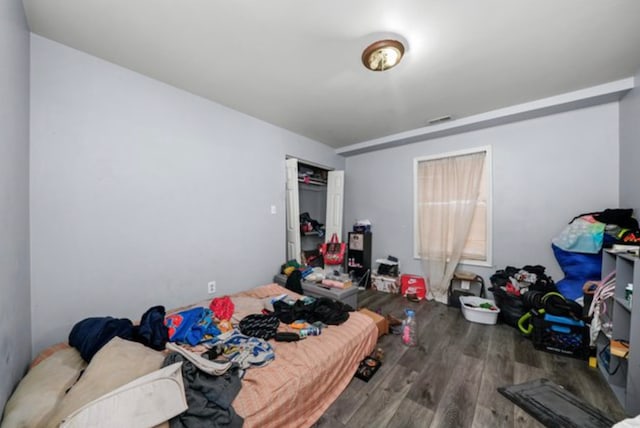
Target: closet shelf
x: 312, y: 181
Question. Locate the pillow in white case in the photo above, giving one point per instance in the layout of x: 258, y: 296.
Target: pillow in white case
x: 145, y: 402
x: 116, y: 364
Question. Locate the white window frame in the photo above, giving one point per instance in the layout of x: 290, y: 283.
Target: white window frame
x: 488, y: 171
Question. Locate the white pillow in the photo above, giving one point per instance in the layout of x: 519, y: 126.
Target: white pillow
x: 40, y: 391
x: 145, y: 402
x: 116, y: 364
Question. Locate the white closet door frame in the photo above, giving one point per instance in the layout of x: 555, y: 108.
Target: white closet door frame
x: 335, y: 200
x: 293, y: 211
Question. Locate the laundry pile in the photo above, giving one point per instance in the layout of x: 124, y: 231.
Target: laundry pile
x: 510, y: 284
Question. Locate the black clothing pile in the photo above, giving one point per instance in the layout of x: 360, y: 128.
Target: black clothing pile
x: 294, y: 282
x: 258, y: 325
x: 323, y: 309
x: 510, y: 284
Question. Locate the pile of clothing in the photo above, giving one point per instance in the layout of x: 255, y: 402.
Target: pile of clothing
x: 202, y: 329
x: 510, y: 284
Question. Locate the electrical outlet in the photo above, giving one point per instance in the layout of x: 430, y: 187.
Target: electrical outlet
x: 211, y: 287
x: 273, y: 209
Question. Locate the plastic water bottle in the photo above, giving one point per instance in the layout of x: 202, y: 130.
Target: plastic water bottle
x: 410, y: 329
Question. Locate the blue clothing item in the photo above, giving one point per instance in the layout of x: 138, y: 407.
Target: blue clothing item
x: 205, y: 326
x: 152, y: 332
x: 91, y: 334
x: 191, y: 326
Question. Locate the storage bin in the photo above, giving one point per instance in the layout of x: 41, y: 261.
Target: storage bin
x: 561, y: 335
x: 472, y: 312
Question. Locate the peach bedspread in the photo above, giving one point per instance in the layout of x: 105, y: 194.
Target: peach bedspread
x: 306, y: 376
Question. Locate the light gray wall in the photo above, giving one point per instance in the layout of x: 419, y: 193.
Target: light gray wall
x: 545, y: 171
x: 630, y: 149
x: 15, y: 321
x: 142, y: 193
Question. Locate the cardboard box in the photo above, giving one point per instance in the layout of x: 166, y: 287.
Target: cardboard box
x: 381, y: 322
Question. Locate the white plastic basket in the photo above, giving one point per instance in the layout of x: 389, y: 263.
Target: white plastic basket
x: 471, y: 311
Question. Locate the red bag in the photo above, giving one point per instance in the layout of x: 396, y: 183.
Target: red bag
x: 333, y: 251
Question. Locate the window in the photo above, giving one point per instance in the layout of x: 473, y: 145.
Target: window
x: 436, y: 179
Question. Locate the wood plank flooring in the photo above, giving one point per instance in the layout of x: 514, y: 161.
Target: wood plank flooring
x: 450, y: 379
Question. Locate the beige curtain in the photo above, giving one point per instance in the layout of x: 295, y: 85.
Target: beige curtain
x: 447, y: 196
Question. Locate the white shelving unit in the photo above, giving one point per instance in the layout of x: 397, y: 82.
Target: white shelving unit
x: 623, y: 374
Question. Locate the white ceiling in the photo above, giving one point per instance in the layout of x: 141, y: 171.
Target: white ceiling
x: 296, y: 63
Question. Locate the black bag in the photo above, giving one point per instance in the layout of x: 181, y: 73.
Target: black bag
x: 323, y: 309
x: 511, y: 306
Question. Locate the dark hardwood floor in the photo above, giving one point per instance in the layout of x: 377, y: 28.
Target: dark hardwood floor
x: 450, y: 378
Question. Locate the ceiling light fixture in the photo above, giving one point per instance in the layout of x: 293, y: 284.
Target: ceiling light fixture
x: 382, y: 55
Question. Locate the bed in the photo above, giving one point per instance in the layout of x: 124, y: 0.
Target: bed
x: 294, y: 390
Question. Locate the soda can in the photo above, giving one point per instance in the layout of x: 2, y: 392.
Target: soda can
x: 309, y: 331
